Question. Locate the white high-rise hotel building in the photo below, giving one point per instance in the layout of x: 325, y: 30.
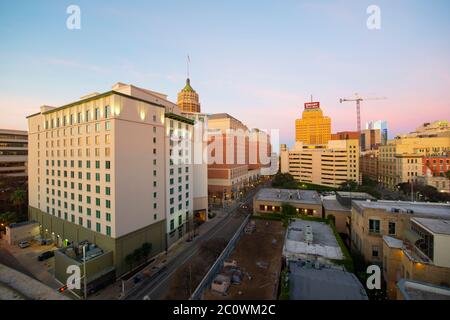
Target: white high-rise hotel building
x: 114, y: 169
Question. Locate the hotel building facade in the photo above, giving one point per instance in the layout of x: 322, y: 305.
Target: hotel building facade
x: 104, y: 169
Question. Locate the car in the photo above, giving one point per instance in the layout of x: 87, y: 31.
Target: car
x: 46, y: 255
x: 24, y: 244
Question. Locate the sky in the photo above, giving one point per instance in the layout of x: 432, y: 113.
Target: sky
x: 256, y: 60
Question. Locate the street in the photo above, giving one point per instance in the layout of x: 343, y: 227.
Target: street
x: 157, y: 288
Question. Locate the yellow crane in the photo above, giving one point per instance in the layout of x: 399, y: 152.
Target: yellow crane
x: 358, y: 100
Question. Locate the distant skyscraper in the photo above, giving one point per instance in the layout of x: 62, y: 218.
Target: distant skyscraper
x: 379, y: 124
x: 313, y: 128
x: 188, y: 100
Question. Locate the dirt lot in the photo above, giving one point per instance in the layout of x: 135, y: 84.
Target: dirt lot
x: 260, y: 258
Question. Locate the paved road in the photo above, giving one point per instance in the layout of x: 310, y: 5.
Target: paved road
x: 157, y: 288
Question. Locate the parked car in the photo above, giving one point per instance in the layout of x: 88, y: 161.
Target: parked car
x: 24, y: 244
x: 46, y: 255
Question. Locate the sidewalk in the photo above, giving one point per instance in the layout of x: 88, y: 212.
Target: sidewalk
x: 114, y: 291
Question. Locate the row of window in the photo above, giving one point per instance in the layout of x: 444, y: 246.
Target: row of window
x: 374, y: 227
x: 78, y: 118
x: 98, y: 225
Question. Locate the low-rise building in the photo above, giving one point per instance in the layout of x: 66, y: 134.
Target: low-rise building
x: 271, y: 200
x: 418, y: 290
x: 311, y: 240
x: 22, y: 231
x: 339, y: 206
x: 371, y: 220
x: 423, y: 255
x: 316, y: 281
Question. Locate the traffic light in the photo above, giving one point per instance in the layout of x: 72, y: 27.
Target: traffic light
x: 63, y: 288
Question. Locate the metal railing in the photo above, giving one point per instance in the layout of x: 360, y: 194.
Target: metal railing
x: 207, y: 279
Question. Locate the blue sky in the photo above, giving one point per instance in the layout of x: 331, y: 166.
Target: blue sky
x: 257, y: 60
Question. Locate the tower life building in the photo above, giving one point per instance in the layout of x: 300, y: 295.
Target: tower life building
x: 188, y: 100
x: 313, y: 127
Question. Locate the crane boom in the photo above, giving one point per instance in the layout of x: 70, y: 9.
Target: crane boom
x: 358, y: 100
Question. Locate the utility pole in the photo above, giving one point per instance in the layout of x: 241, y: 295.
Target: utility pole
x: 84, y: 272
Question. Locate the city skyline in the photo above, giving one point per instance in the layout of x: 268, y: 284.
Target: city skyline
x: 275, y: 64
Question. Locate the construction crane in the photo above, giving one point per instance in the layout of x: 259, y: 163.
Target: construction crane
x: 358, y: 100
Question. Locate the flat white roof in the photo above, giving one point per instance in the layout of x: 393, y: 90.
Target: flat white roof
x: 418, y: 290
x: 288, y: 195
x: 423, y: 208
x: 324, y: 242
x: 434, y: 225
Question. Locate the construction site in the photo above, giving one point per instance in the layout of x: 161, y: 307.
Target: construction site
x: 252, y: 270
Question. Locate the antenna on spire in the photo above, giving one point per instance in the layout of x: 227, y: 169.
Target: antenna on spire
x: 311, y: 98
x: 188, y: 61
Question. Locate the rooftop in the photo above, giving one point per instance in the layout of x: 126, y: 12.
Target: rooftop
x: 393, y: 242
x: 422, y: 208
x: 434, y: 225
x: 312, y: 281
x: 287, y: 195
x: 331, y: 203
x: 322, y: 243
x: 417, y: 290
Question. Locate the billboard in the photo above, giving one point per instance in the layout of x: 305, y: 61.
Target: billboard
x: 312, y: 105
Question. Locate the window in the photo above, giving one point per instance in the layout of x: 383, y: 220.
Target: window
x: 107, y: 177
x: 374, y: 226
x: 108, y: 191
x: 108, y: 216
x: 97, y: 113
x: 88, y: 223
x: 375, y: 251
x: 97, y: 189
x: 108, y: 204
x: 98, y: 227
x: 172, y: 225
x: 391, y: 227
x: 97, y: 164
x: 108, y: 164
x: 97, y: 214
x: 107, y: 126
x: 108, y: 230
x: 107, y: 111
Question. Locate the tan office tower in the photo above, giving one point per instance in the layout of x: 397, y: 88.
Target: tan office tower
x: 188, y: 99
x: 313, y: 128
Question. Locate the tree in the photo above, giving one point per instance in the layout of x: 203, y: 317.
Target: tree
x: 146, y: 249
x: 284, y: 180
x: 137, y: 254
x: 8, y: 218
x: 288, y: 210
x: 18, y: 198
x: 349, y: 185
x: 129, y: 259
x: 332, y: 219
